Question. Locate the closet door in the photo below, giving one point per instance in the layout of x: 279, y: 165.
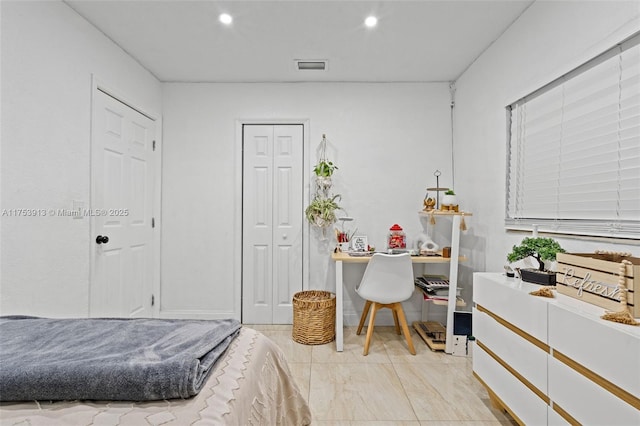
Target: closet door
x: 271, y: 222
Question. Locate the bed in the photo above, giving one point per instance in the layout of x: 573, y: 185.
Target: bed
x: 249, y: 384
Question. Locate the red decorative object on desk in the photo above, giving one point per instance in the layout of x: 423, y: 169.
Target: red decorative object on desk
x: 397, y: 238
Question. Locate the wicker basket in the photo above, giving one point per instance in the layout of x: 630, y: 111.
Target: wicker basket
x: 314, y: 317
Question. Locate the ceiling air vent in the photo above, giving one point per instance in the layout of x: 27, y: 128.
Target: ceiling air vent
x: 311, y: 65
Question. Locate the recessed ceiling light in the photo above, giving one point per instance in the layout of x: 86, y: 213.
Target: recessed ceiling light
x: 225, y: 18
x: 371, y: 21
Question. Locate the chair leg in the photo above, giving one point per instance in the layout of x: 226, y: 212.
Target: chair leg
x: 405, y: 328
x: 395, y: 321
x: 363, y: 317
x: 372, y: 320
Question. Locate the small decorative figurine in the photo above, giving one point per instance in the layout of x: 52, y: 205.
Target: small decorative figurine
x: 429, y: 203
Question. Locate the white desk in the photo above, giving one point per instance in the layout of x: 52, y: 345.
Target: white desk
x: 342, y: 258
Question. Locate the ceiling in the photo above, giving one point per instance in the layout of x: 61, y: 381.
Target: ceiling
x: 416, y: 41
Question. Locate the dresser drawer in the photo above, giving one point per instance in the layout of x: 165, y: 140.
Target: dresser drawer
x: 555, y: 419
x: 509, y: 298
x: 520, y: 354
x: 585, y: 401
x: 610, y: 350
x: 520, y: 400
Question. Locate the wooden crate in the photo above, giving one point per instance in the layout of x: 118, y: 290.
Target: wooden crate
x: 594, y: 279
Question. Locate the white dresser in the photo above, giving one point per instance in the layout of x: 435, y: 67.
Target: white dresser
x: 553, y: 361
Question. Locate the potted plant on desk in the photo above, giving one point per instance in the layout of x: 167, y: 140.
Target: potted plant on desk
x: 540, y: 249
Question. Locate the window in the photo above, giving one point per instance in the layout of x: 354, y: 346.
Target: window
x: 574, y: 150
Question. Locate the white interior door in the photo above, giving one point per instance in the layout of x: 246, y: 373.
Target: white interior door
x: 272, y: 222
x: 122, y: 191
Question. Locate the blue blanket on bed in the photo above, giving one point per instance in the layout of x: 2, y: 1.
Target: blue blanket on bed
x: 107, y: 358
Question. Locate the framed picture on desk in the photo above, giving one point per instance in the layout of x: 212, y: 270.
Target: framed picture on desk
x: 359, y: 243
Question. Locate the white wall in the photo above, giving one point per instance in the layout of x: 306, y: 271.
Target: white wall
x: 387, y: 140
x: 548, y: 40
x: 49, y: 54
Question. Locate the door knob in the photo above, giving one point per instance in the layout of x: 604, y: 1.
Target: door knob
x: 100, y: 239
x: 284, y: 236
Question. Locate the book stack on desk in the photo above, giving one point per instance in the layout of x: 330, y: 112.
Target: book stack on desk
x: 434, y: 287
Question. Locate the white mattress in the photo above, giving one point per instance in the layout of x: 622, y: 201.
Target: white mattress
x: 251, y: 385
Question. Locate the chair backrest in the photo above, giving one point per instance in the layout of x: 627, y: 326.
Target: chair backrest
x: 387, y: 279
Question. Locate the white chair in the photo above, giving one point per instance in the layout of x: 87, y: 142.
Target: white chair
x: 387, y: 282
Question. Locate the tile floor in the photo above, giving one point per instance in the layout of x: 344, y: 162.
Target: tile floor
x: 387, y: 387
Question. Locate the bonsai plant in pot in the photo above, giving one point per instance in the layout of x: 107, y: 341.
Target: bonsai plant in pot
x: 540, y: 249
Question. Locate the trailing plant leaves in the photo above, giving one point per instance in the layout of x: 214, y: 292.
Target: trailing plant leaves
x: 323, y: 208
x: 325, y: 168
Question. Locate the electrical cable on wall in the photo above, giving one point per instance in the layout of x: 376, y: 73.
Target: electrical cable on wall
x: 452, y: 91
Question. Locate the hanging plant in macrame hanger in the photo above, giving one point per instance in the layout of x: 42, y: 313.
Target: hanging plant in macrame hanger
x: 324, y: 170
x: 321, y: 210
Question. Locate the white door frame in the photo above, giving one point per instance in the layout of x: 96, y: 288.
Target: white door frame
x: 237, y: 226
x: 98, y: 84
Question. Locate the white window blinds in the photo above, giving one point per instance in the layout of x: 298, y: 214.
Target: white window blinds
x: 574, y: 150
